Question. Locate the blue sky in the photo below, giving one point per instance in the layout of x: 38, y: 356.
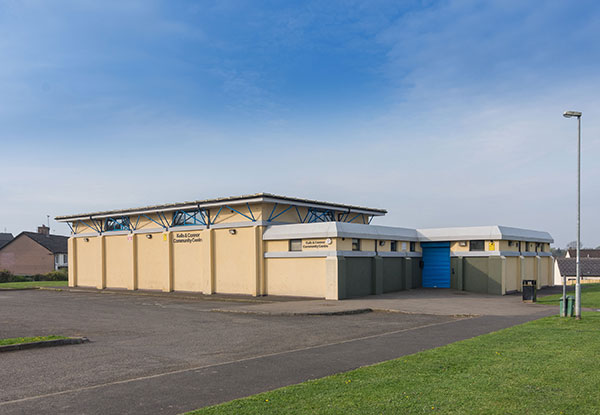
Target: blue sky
x: 446, y: 113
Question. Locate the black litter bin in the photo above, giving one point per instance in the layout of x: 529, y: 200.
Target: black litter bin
x: 529, y: 291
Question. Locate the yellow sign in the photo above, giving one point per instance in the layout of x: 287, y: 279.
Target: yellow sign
x: 164, y: 236
x: 492, y: 246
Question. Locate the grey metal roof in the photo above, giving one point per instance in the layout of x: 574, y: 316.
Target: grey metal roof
x: 496, y: 232
x: 588, y: 267
x: 338, y: 229
x: 233, y: 200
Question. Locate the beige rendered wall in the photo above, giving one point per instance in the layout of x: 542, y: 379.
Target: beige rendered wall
x: 304, y: 277
x: 119, y: 261
x: 528, y: 268
x: 89, y: 262
x: 235, y: 259
x: 153, y: 261
x: 512, y: 277
x: 546, y: 271
x: 190, y: 266
x: 228, y: 215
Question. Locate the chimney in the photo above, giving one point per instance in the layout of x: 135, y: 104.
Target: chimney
x: 43, y: 230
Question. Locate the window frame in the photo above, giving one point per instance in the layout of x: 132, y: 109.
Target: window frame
x: 393, y: 246
x: 355, y: 244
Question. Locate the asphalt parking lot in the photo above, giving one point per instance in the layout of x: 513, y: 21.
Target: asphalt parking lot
x: 169, y: 355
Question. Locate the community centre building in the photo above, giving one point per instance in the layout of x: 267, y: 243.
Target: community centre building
x: 265, y: 244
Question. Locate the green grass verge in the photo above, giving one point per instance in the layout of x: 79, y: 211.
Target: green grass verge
x: 29, y: 284
x: 590, y: 296
x: 548, y: 366
x: 18, y: 340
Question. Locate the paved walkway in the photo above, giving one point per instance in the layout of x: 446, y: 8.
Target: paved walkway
x: 420, y: 301
x: 433, y: 301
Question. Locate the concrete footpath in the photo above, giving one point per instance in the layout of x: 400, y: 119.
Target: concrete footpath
x: 442, y: 302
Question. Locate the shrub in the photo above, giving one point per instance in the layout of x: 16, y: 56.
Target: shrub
x: 60, y: 275
x: 7, y: 276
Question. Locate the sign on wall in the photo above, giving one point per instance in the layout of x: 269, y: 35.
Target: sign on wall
x: 316, y: 243
x: 491, y: 246
x: 186, y: 238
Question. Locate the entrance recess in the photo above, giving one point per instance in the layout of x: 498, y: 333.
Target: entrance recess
x: 436, y: 264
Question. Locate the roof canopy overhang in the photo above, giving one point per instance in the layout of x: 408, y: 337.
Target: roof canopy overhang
x: 227, y: 201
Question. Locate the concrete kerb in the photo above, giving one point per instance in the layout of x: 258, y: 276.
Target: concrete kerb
x: 175, y: 295
x: 43, y: 343
x: 294, y: 313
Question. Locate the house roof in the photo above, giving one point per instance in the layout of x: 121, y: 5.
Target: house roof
x: 234, y: 200
x: 585, y: 253
x: 588, y: 267
x: 496, y: 232
x: 57, y: 244
x: 5, y: 238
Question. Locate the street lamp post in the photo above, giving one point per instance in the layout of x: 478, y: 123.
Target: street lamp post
x: 570, y: 114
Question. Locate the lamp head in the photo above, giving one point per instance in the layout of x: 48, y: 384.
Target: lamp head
x: 569, y: 114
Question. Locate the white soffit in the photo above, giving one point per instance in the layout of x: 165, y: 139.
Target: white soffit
x: 338, y: 229
x: 482, y: 233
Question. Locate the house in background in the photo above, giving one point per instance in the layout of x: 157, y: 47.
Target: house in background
x: 32, y: 253
x: 5, y: 238
x: 589, y: 267
x: 583, y: 253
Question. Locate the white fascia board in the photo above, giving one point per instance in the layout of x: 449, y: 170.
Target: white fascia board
x: 525, y: 234
x: 338, y: 229
x: 459, y: 234
x: 483, y: 233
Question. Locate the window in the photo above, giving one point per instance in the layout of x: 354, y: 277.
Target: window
x: 295, y: 244
x: 393, y: 246
x: 404, y: 246
x: 526, y: 246
x: 413, y: 246
x: 476, y: 246
x: 355, y: 244
x: 117, y: 224
x: 195, y: 217
x: 541, y: 247
x: 510, y: 243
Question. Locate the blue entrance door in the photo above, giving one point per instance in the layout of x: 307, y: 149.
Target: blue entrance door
x: 436, y: 264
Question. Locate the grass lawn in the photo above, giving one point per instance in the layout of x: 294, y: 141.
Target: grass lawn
x: 17, y: 340
x: 590, y: 296
x: 29, y: 284
x: 548, y: 366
